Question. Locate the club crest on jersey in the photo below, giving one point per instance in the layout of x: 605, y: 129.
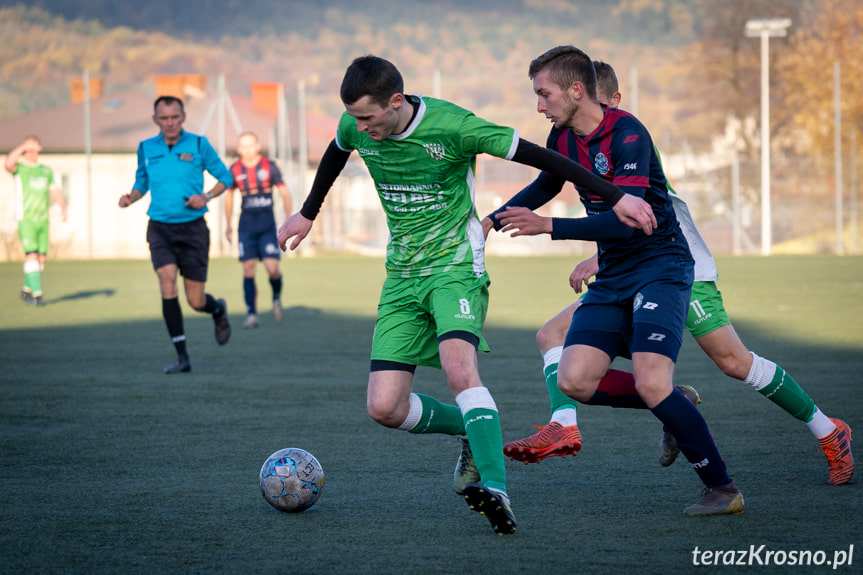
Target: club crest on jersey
x: 637, y: 301
x: 600, y: 162
x: 263, y: 174
x: 436, y: 151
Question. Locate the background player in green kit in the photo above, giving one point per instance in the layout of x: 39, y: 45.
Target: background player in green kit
x: 35, y: 187
x: 709, y: 324
x: 421, y: 154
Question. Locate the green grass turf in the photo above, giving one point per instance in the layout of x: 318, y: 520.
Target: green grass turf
x: 109, y: 466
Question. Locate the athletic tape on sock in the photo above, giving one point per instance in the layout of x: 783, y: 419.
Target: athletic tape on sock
x: 31, y: 266
x: 475, y: 398
x: 761, y: 372
x: 552, y: 356
x: 414, y: 413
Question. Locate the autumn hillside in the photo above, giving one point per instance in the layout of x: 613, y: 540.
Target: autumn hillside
x: 694, y: 66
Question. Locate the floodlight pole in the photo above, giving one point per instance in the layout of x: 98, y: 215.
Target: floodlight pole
x: 765, y: 28
x: 853, y: 186
x: 88, y: 156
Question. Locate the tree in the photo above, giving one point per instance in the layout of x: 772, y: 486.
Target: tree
x: 724, y: 66
x: 834, y: 33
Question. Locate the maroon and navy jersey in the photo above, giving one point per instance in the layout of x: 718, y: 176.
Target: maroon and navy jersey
x: 621, y: 151
x: 256, y: 184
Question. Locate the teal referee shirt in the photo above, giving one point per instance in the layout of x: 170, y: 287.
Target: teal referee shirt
x: 175, y: 174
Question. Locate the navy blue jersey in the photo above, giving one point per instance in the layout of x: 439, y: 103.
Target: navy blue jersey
x: 621, y: 151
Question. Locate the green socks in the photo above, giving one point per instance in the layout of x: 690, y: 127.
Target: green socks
x: 33, y: 276
x: 482, y: 425
x: 476, y: 417
x: 428, y: 415
x: 775, y: 384
x: 558, y: 399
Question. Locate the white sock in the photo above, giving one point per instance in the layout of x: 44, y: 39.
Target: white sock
x: 820, y: 425
x: 566, y: 416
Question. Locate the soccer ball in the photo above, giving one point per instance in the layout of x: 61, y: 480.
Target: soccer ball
x: 292, y: 480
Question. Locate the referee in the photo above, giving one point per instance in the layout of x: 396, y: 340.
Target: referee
x: 171, y: 166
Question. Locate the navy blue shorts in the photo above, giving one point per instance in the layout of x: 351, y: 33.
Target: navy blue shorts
x: 186, y: 245
x: 256, y: 243
x: 652, y: 320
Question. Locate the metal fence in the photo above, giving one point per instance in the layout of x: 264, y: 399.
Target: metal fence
x: 804, y: 210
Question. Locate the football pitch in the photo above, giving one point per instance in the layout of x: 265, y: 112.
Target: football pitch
x: 109, y: 466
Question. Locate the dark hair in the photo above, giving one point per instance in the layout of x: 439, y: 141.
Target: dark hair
x: 371, y: 76
x: 566, y: 65
x: 606, y: 79
x: 168, y: 100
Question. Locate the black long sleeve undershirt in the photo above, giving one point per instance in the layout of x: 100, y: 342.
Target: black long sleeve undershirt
x: 549, y: 183
x: 556, y: 163
x: 528, y: 153
x: 332, y: 163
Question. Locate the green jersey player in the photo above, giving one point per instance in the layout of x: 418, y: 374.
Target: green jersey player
x: 709, y: 324
x: 421, y: 154
x: 35, y: 188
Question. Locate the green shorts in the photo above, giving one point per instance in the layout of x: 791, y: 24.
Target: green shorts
x: 706, y: 310
x: 34, y: 236
x: 414, y: 312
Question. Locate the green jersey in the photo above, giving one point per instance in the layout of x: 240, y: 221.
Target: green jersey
x: 425, y: 178
x: 33, y: 185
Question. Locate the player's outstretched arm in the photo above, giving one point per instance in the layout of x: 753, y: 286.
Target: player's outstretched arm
x: 298, y: 227
x: 523, y: 222
x: 635, y: 212
x: 604, y: 227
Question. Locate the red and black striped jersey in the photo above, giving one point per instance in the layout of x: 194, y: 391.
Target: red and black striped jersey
x: 256, y: 183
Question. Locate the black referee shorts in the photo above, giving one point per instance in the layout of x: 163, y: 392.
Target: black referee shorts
x: 186, y: 245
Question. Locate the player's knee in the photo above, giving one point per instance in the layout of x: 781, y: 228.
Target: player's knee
x: 543, y: 337
x: 734, y: 366
x: 272, y: 267
x: 383, y: 414
x: 460, y: 379
x: 578, y: 388
x: 197, y: 304
x: 31, y: 266
x: 549, y: 335
x: 169, y: 292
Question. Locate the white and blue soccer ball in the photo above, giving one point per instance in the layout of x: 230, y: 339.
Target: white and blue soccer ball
x: 292, y: 480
